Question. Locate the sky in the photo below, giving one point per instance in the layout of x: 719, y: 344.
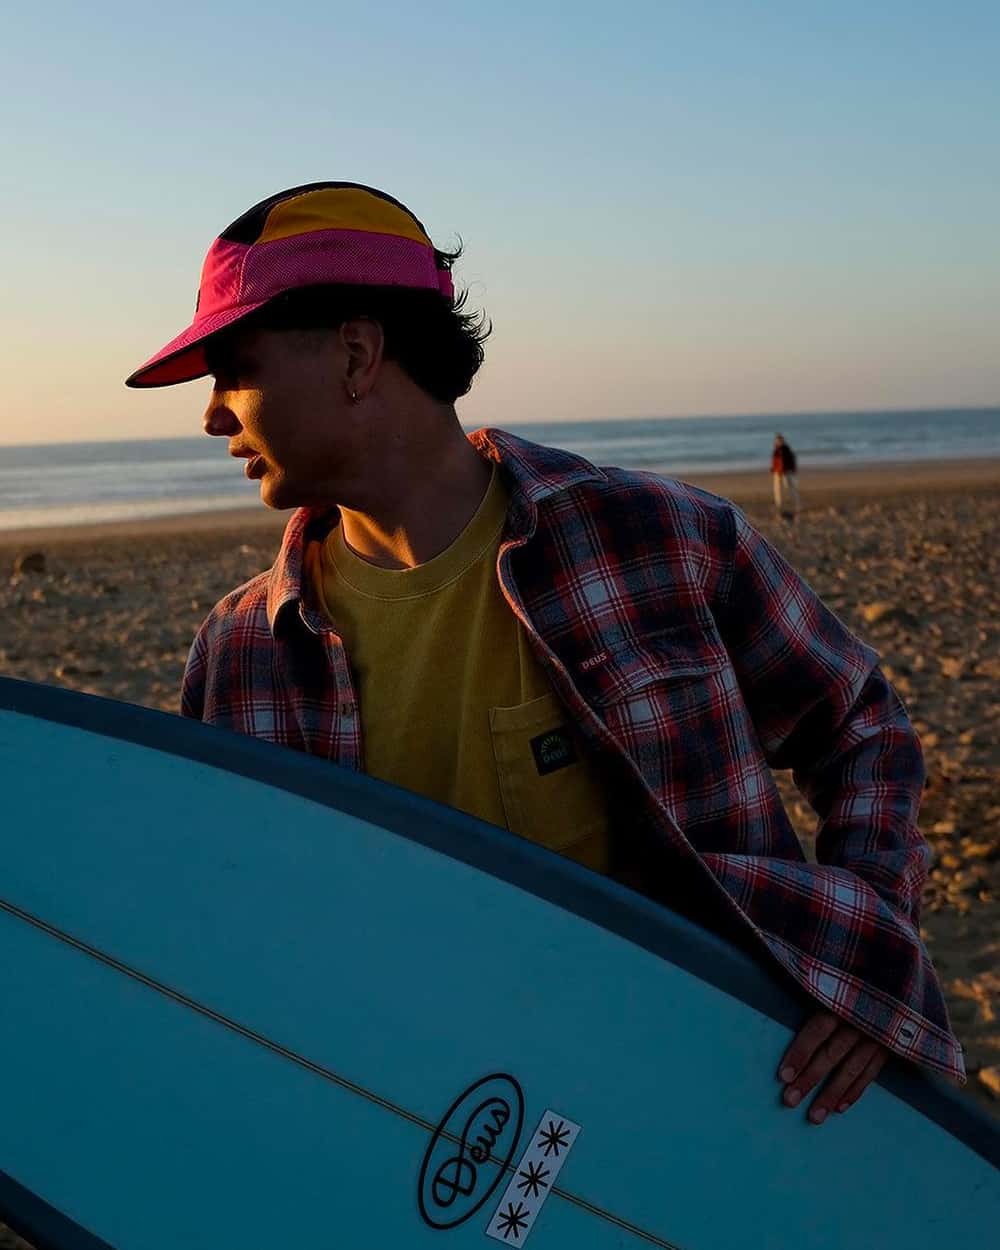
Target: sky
x: 666, y: 208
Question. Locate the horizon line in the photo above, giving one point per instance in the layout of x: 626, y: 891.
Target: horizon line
x: 693, y: 416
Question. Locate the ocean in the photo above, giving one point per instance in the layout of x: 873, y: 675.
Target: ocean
x: 78, y: 483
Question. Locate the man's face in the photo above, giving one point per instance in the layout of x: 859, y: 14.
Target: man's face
x: 280, y: 399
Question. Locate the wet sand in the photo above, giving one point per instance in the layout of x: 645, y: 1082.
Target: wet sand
x: 907, y: 555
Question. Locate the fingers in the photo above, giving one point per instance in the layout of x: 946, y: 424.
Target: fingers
x: 816, y: 1030
x: 847, y: 1074
x: 871, y: 1070
x: 822, y: 1043
x: 827, y: 1052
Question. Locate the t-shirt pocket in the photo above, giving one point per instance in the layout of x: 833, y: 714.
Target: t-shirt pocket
x: 549, y: 791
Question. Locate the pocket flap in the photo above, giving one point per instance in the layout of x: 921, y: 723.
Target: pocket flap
x: 674, y: 654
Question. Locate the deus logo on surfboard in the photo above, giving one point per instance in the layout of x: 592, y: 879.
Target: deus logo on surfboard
x: 470, y: 1151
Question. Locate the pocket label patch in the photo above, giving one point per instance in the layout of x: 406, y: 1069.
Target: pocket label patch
x: 553, y: 750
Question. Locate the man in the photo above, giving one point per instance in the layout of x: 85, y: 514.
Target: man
x: 508, y: 629
x: 783, y: 469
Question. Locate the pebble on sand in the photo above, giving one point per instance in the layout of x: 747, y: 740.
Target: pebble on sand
x: 875, y: 613
x: 33, y: 562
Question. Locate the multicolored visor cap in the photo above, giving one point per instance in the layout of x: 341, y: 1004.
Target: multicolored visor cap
x: 325, y: 232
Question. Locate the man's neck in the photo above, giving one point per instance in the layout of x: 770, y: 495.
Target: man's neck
x: 436, y: 497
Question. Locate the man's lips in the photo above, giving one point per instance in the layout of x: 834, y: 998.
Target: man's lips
x: 254, y: 466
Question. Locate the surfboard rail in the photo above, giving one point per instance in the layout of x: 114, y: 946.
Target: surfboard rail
x: 35, y: 1220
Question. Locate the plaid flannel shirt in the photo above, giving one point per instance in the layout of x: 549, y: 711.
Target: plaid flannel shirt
x: 691, y: 657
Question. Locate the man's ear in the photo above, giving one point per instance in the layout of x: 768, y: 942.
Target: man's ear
x: 363, y: 341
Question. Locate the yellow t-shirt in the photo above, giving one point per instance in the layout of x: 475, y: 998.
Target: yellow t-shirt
x: 453, y: 703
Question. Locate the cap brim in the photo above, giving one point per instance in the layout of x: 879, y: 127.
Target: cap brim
x: 183, y: 358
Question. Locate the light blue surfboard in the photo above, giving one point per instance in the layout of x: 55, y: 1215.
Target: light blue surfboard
x: 250, y: 999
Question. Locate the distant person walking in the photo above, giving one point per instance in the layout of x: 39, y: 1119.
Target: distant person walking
x: 783, y: 470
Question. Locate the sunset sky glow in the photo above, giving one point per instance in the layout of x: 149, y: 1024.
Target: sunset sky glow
x: 667, y: 208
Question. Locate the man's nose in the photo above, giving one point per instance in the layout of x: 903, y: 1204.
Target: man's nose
x: 220, y: 418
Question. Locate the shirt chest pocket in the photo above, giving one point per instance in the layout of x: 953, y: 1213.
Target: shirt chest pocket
x: 667, y: 700
x: 549, y: 790
x: 671, y: 658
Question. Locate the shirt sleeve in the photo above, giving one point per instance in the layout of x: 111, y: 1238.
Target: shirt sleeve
x: 193, y: 682
x: 847, y: 928
x: 822, y: 707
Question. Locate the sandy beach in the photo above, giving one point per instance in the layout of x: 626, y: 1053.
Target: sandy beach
x: 907, y: 555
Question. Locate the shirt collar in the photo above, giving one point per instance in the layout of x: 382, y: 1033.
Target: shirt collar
x: 533, y: 473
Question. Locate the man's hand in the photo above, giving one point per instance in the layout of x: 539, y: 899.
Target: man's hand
x: 827, y: 1049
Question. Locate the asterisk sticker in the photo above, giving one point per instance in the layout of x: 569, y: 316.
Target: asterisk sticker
x: 533, y: 1180
x: 512, y: 1221
x: 554, y: 1139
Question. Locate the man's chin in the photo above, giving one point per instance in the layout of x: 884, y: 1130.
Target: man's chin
x: 277, y: 494
x: 281, y: 495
